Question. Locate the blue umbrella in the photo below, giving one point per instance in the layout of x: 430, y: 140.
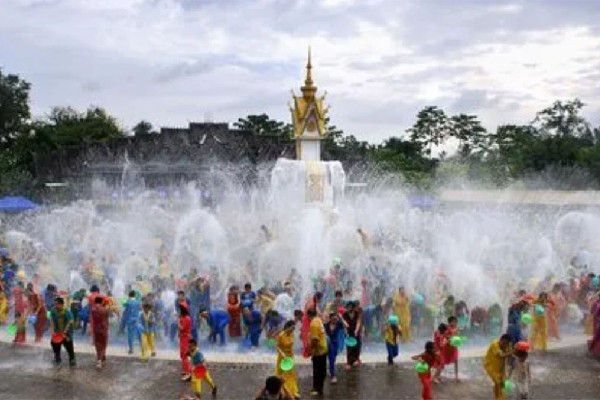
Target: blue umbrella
x: 16, y: 204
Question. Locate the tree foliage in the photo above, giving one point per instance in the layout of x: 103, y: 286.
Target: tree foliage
x: 14, y: 107
x: 143, y: 128
x: 263, y: 125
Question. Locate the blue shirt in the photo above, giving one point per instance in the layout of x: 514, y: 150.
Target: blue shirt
x: 131, y: 311
x: 217, y: 318
x: 197, y: 358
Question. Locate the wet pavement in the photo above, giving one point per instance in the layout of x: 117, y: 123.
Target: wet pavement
x: 27, y: 373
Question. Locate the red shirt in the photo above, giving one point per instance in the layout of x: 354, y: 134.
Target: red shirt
x: 185, y: 327
x: 99, y: 316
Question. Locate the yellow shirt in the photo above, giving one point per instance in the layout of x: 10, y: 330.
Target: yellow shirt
x: 285, y: 343
x: 317, y: 331
x: 494, y: 362
x: 389, y: 335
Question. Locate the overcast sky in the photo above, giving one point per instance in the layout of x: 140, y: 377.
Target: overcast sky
x: 175, y: 61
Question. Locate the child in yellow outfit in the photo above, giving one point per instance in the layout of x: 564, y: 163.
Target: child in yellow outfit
x: 3, y: 308
x: 539, y: 329
x: 197, y: 360
x: 392, y: 336
x: 494, y: 364
x: 285, y: 348
x: 147, y: 329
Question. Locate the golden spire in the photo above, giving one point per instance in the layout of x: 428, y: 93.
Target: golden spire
x: 309, y: 89
x: 308, y: 81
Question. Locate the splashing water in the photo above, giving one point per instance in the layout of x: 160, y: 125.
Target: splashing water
x: 479, y: 254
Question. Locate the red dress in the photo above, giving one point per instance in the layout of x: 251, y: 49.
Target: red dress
x: 233, y: 308
x: 37, y: 308
x: 432, y: 361
x: 450, y: 353
x: 439, y: 342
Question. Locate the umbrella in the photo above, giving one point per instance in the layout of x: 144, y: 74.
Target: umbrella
x: 16, y: 204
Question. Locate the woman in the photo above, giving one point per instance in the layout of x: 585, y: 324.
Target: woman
x: 312, y: 303
x: 335, y: 330
x: 539, y: 327
x: 402, y: 310
x: 555, y: 310
x: 352, y: 319
x: 233, y: 308
x: 594, y: 344
x: 37, y: 308
x: 285, y: 348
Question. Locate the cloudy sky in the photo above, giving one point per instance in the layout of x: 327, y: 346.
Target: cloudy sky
x: 175, y: 61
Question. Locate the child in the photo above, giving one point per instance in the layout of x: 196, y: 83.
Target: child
x: 494, y: 363
x: 185, y: 335
x: 197, y: 360
x: 523, y: 379
x: 21, y: 334
x: 440, y: 342
x: 147, y: 327
x: 273, y: 389
x: 335, y: 330
x: 392, y: 337
x: 431, y: 358
x: 450, y: 352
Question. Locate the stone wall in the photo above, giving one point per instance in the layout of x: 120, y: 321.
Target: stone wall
x: 173, y: 155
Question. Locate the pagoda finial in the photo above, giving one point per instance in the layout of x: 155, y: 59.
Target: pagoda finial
x: 308, y: 81
x: 309, y: 89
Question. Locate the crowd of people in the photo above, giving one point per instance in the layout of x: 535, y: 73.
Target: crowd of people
x: 334, y: 317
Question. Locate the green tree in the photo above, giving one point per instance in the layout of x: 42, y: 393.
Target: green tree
x: 470, y: 133
x: 432, y: 128
x: 563, y: 119
x: 67, y: 126
x: 14, y: 107
x: 142, y: 128
x: 263, y: 125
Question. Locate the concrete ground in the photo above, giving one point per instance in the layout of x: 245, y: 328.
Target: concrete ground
x: 27, y: 373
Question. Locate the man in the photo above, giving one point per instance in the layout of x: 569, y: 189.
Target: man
x: 253, y: 322
x: 318, y: 339
x: 61, y: 322
x: 284, y: 302
x: 217, y: 321
x: 99, y: 318
x: 494, y: 363
x: 130, y: 318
